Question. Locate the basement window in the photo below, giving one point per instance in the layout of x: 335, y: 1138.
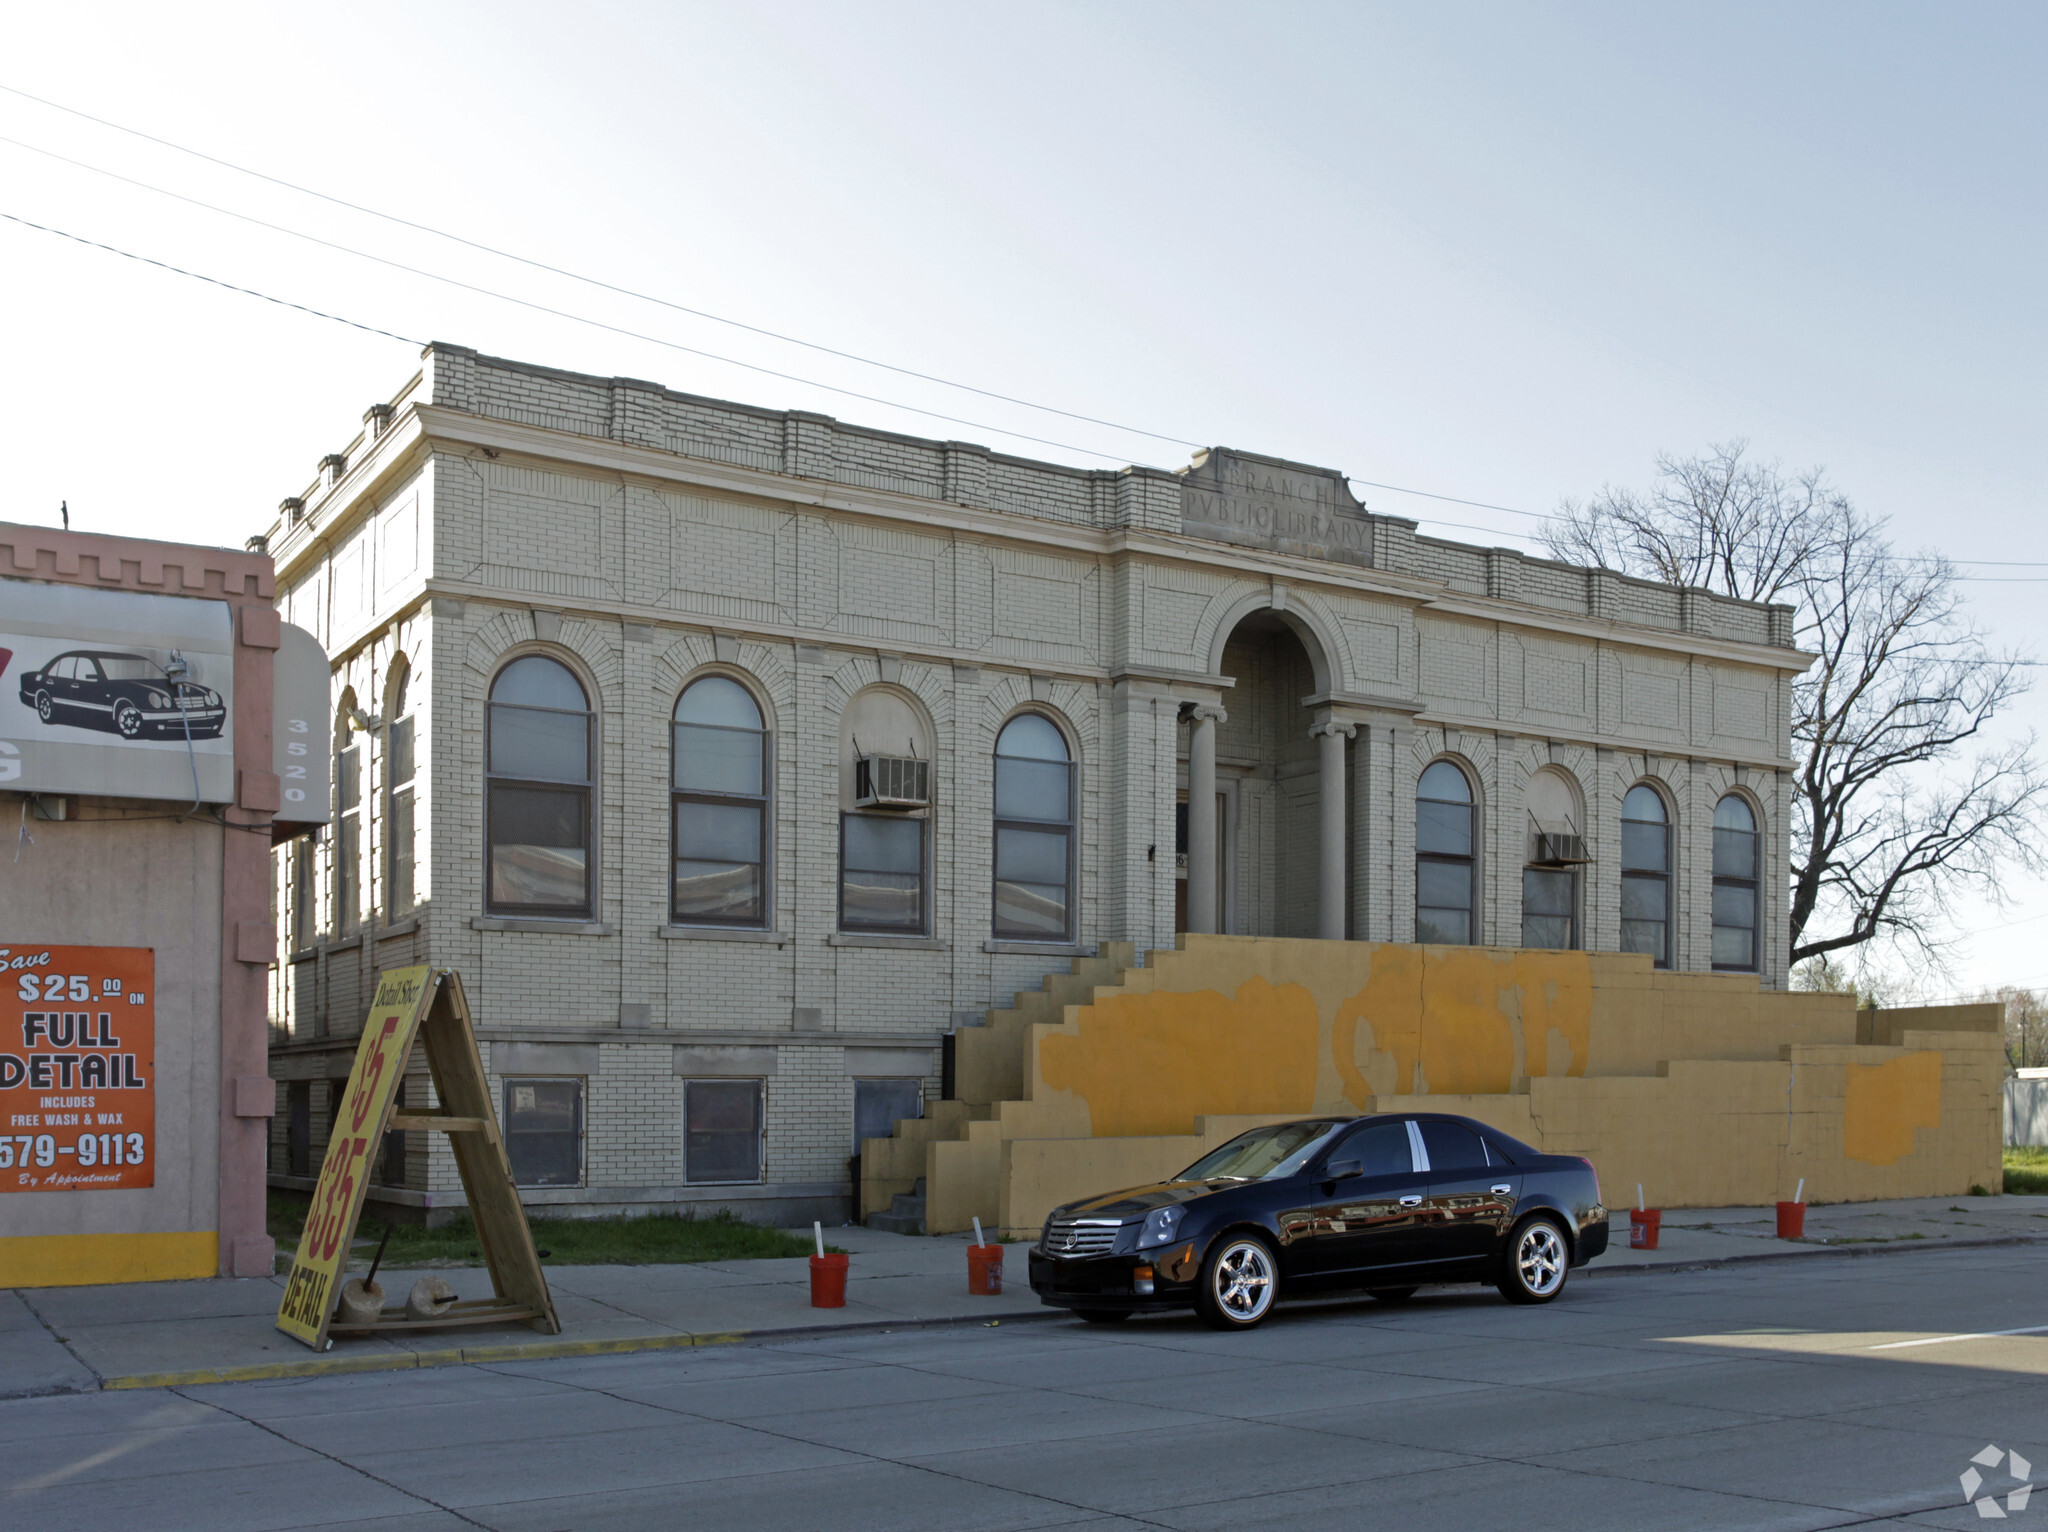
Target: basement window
x: 721, y: 1131
x: 544, y: 1131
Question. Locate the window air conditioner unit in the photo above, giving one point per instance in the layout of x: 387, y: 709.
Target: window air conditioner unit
x: 1558, y: 848
x: 891, y: 782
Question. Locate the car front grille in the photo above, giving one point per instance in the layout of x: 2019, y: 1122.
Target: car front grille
x: 1067, y: 1235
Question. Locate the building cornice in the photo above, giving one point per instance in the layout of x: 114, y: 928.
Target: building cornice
x: 422, y: 429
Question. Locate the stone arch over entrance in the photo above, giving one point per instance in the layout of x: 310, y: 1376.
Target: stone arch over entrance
x: 1266, y: 770
x: 1318, y: 645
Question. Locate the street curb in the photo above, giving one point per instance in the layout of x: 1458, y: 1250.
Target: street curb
x: 459, y: 1356
x: 548, y: 1350
x: 1809, y: 1253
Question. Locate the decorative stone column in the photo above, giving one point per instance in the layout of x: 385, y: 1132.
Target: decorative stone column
x: 1333, y: 890
x: 1202, y: 818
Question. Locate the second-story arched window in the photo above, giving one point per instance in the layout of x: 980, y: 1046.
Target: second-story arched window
x: 399, y: 863
x: 1446, y: 881
x: 1550, y: 880
x: 1735, y: 859
x: 539, y: 774
x: 1646, y: 874
x: 720, y: 806
x: 885, y: 752
x: 348, y: 821
x: 1034, y: 829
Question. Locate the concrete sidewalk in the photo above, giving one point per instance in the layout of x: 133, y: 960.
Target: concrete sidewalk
x: 148, y: 1335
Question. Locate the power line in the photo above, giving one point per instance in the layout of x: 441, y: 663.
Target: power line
x: 542, y: 308
x: 215, y: 281
x: 628, y: 292
x: 623, y: 291
x: 662, y: 302
x: 694, y: 351
x: 574, y: 276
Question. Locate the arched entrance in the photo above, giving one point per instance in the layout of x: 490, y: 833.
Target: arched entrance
x: 1279, y: 835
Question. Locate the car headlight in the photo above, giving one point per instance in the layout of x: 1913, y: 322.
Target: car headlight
x: 1160, y: 1227
x: 158, y: 699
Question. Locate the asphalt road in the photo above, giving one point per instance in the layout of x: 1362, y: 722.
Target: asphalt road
x: 1819, y: 1393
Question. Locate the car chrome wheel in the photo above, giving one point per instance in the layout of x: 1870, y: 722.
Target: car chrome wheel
x: 46, y: 708
x: 1240, y: 1285
x: 1537, y: 1263
x: 128, y: 719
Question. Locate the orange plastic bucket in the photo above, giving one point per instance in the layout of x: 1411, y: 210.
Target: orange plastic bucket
x: 1791, y: 1220
x: 985, y: 1270
x: 1643, y: 1224
x: 828, y: 1281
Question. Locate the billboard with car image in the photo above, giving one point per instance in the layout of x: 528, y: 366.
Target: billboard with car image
x: 115, y: 693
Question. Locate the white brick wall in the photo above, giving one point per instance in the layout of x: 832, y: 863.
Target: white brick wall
x: 665, y: 535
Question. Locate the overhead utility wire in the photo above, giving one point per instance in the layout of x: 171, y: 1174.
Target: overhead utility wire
x: 542, y: 308
x: 680, y: 308
x: 650, y: 298
x: 409, y: 340
x: 598, y: 282
x: 215, y: 281
x: 580, y: 319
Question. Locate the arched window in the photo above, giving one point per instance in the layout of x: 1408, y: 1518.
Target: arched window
x: 885, y: 806
x: 398, y: 774
x: 348, y: 820
x: 1735, y: 858
x: 538, y: 773
x: 1646, y: 874
x: 720, y: 806
x: 1034, y: 832
x: 1550, y: 881
x: 1444, y: 864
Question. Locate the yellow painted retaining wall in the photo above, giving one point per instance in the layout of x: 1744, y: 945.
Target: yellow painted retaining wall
x: 1708, y: 1089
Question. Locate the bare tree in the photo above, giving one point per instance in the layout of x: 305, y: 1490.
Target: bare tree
x: 2026, y: 1027
x: 1900, y: 798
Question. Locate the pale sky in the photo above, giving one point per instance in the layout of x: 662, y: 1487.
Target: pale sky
x: 1504, y: 253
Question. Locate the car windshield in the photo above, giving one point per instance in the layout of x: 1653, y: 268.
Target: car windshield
x: 1264, y: 1154
x: 130, y: 667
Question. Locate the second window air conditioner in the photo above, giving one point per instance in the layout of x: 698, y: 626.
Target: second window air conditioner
x: 891, y: 782
x: 1557, y: 848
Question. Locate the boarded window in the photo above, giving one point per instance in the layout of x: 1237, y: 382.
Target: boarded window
x: 878, y: 1105
x: 544, y: 1131
x: 721, y: 1131
x: 298, y: 1128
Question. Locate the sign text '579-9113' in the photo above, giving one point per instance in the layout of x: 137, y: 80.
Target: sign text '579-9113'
x: 77, y: 1068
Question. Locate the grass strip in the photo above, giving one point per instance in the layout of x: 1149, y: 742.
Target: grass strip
x: 2026, y: 1170
x: 652, y: 1239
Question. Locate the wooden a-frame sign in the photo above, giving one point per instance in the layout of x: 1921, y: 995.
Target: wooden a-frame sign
x: 427, y: 1004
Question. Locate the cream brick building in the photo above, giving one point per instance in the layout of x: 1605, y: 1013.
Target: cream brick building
x: 711, y: 920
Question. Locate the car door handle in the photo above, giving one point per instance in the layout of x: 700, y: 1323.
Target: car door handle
x: 1411, y: 1202
x: 1502, y: 1190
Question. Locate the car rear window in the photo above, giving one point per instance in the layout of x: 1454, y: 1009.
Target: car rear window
x: 1511, y: 1151
x: 1452, y: 1146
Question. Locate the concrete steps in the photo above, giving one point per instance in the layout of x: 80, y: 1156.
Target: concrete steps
x: 989, y: 1070
x: 905, y: 1214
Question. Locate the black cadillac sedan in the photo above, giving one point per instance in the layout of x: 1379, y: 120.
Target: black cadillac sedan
x: 1383, y: 1204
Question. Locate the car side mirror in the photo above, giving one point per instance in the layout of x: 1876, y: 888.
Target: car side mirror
x: 1343, y: 1170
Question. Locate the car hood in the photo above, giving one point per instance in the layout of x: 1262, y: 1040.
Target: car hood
x: 1136, y: 1201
